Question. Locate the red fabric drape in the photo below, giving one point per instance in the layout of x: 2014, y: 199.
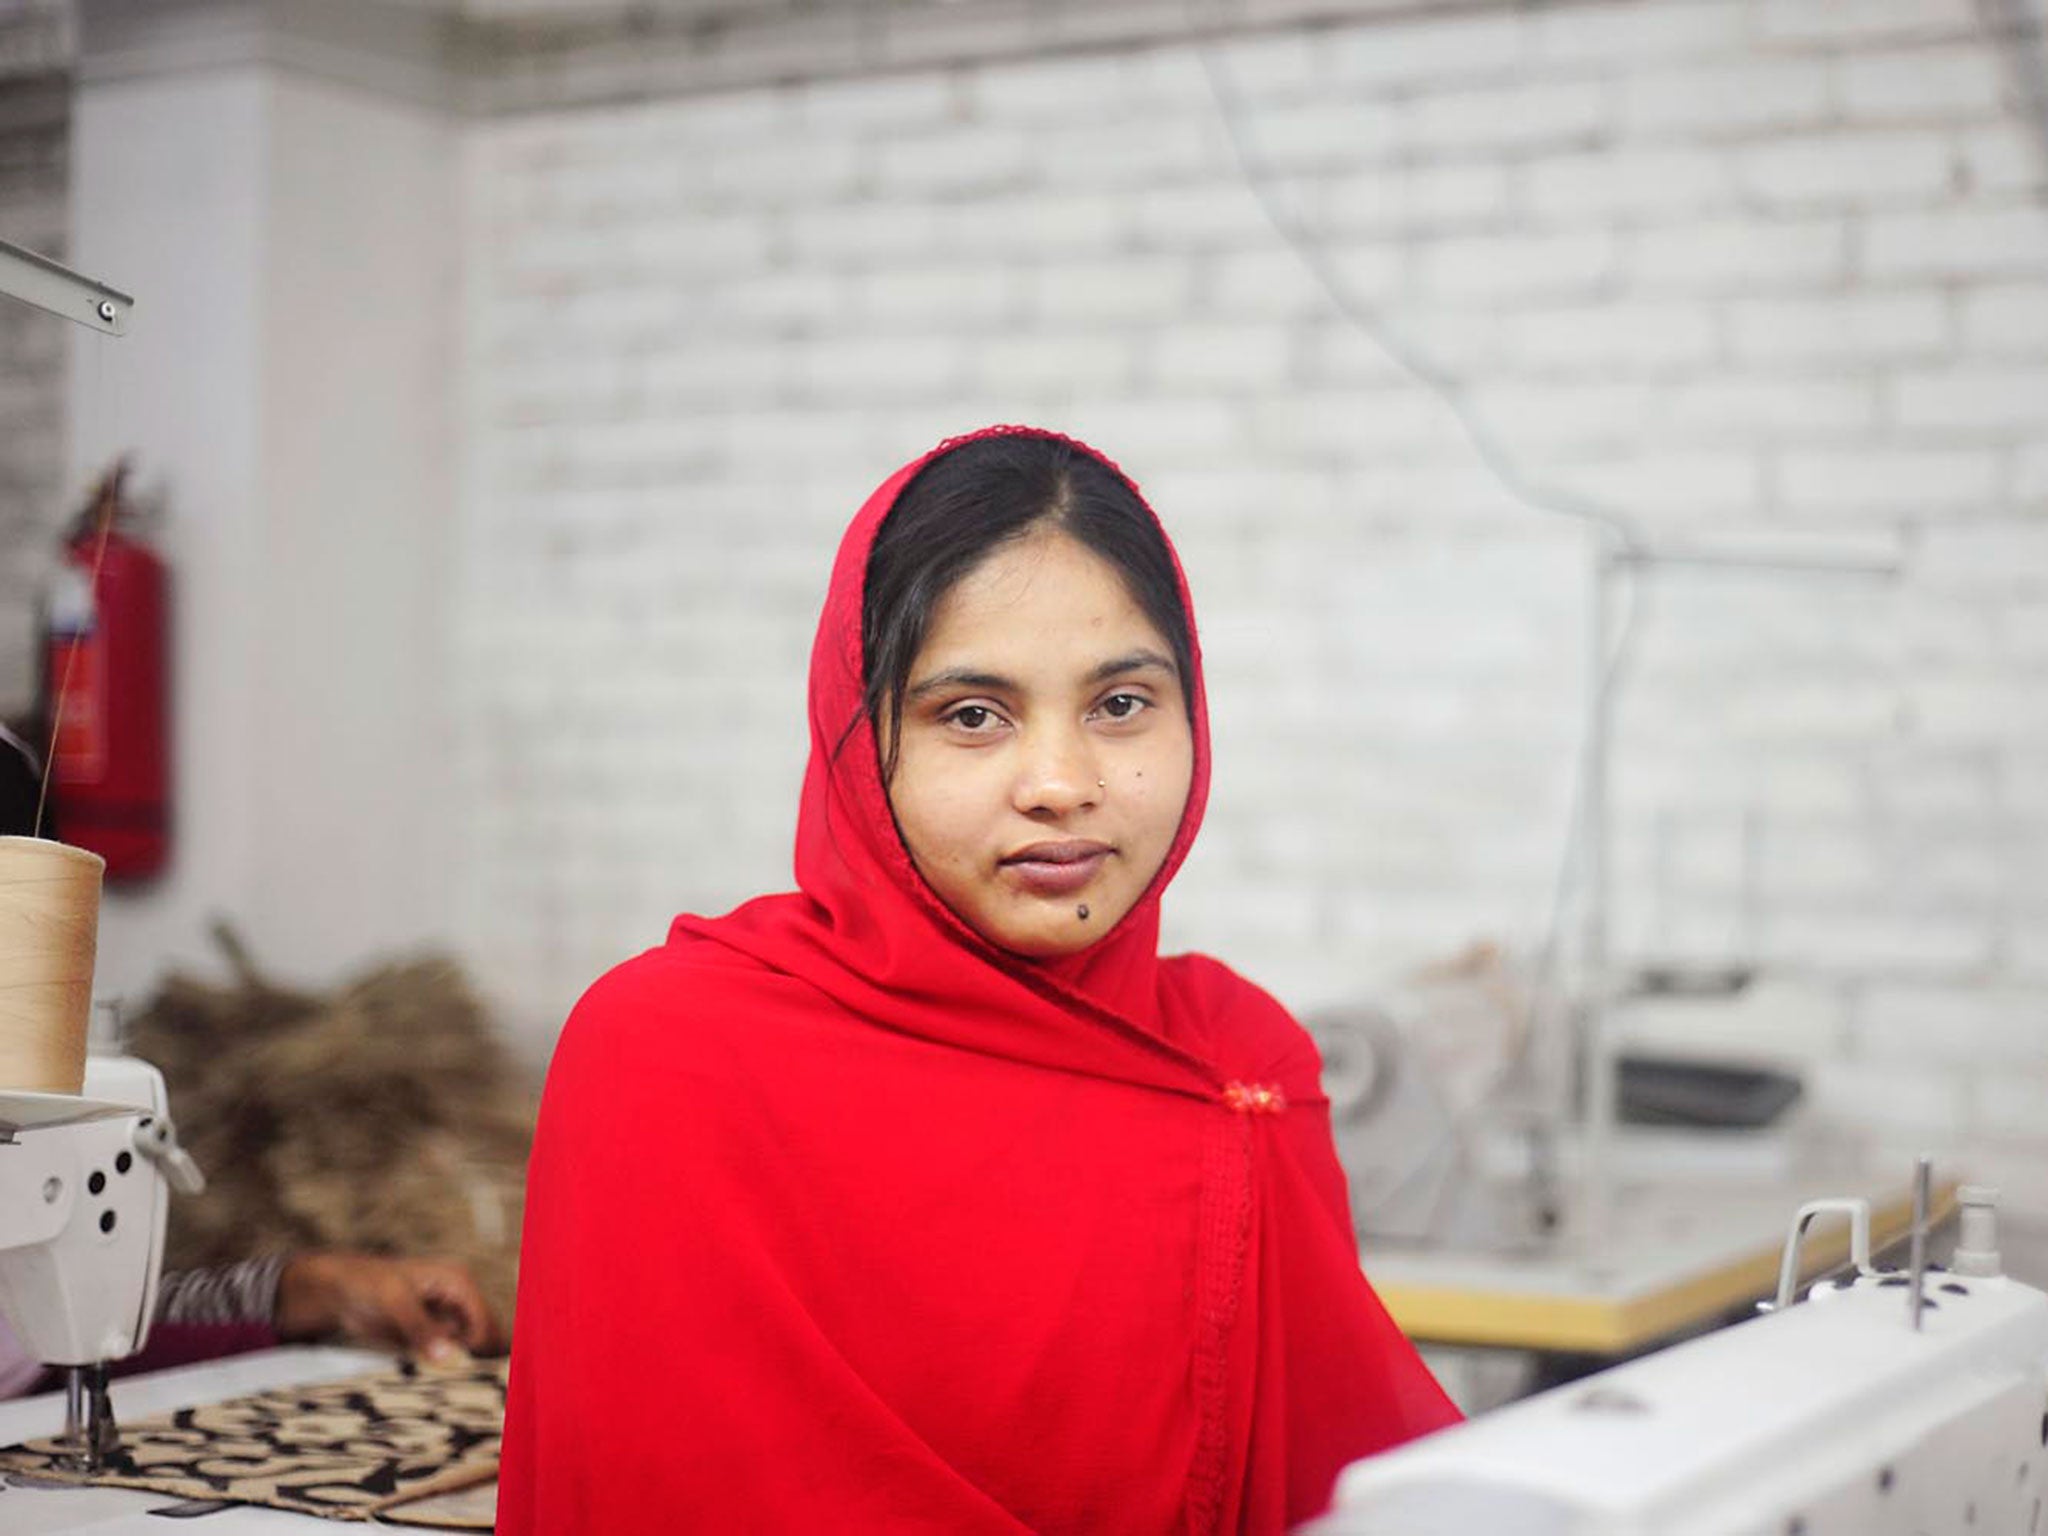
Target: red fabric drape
x: 841, y: 1219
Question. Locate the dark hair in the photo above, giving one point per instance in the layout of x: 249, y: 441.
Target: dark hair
x: 967, y: 503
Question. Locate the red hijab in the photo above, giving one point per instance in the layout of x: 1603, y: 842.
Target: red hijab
x: 842, y: 1219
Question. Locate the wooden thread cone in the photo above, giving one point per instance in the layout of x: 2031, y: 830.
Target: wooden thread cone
x: 49, y: 931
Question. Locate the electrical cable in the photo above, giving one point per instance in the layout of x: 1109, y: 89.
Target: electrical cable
x: 1373, y: 323
x: 1622, y: 532
x: 105, y: 500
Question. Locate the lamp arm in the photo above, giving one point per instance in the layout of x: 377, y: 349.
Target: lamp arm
x: 44, y: 283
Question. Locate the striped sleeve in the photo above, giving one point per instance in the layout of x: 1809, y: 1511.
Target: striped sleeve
x: 245, y: 1292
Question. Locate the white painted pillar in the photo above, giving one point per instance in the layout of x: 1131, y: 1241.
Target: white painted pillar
x: 281, y: 200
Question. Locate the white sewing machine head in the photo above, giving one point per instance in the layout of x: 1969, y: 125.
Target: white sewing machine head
x: 1862, y: 1410
x: 82, y: 1204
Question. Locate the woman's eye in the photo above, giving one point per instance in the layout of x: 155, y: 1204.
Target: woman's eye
x: 1121, y: 706
x: 972, y: 717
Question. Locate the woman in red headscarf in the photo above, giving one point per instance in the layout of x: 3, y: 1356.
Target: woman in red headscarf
x: 929, y: 1198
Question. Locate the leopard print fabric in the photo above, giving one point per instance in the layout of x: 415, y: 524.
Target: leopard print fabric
x: 355, y: 1449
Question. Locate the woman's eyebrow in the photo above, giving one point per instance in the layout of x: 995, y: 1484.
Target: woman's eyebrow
x: 1135, y: 661
x: 995, y: 682
x: 960, y: 677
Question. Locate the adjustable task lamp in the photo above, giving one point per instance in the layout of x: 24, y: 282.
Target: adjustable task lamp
x: 1620, y: 560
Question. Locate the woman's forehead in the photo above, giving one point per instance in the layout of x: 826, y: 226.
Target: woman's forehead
x: 1046, y: 592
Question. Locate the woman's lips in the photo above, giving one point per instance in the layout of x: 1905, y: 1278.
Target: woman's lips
x: 1056, y: 869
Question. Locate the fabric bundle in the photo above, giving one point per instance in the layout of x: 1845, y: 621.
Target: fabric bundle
x: 384, y: 1116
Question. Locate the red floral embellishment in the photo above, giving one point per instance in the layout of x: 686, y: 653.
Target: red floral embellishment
x: 1254, y: 1098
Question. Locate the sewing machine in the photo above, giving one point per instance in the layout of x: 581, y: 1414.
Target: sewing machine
x: 82, y: 1204
x: 1887, y: 1402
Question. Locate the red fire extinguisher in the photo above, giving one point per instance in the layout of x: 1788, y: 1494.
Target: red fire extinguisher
x: 106, y: 677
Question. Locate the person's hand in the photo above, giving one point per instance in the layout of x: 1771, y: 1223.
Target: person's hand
x: 426, y: 1307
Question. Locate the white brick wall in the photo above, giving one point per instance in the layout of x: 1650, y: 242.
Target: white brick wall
x: 1777, y: 266
x: 1768, y: 268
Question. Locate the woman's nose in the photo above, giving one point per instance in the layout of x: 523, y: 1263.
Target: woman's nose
x: 1056, y: 772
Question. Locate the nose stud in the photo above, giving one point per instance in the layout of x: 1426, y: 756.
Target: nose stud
x: 1102, y: 783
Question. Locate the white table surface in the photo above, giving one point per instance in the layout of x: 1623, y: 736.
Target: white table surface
x: 44, y: 1509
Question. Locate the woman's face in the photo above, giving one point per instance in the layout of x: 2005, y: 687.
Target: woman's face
x: 1044, y: 753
